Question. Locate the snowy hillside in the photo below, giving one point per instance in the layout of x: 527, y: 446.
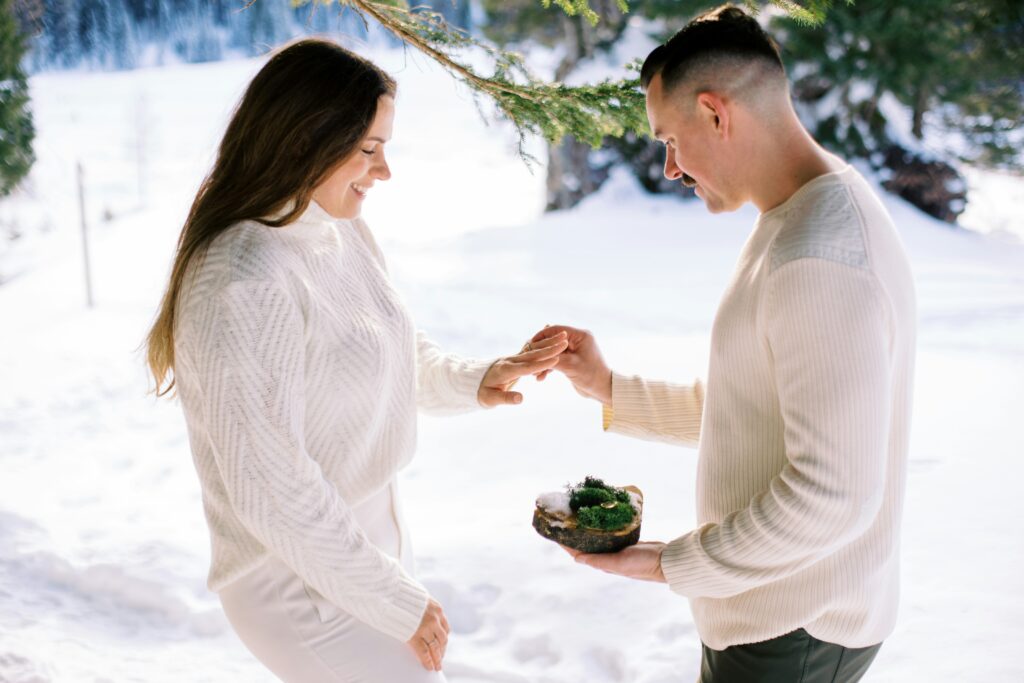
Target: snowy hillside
x: 103, y: 547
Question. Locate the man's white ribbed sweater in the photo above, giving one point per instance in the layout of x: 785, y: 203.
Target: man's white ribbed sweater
x: 300, y: 373
x: 802, y: 427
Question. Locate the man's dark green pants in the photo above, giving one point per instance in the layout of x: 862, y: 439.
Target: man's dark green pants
x: 796, y: 657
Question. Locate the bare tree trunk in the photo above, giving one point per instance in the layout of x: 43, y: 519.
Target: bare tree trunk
x: 920, y: 107
x: 563, y: 170
x: 571, y: 176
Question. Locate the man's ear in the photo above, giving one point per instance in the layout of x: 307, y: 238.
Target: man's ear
x: 711, y: 107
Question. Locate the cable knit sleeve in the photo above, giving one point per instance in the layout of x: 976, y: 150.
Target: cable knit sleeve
x: 829, y: 331
x: 658, y: 411
x: 446, y: 384
x: 251, y: 362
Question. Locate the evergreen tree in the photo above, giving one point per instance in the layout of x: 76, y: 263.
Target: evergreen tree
x: 150, y: 18
x: 319, y: 18
x: 223, y: 10
x: 58, y: 45
x: 264, y: 25
x: 94, y: 31
x: 196, y: 35
x: 121, y: 29
x: 16, y: 129
x: 161, y: 26
x: 29, y: 15
x: 914, y: 88
x: 953, y: 64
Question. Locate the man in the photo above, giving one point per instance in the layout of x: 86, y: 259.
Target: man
x: 793, y: 573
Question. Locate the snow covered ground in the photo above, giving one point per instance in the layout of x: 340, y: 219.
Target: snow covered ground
x: 103, y: 547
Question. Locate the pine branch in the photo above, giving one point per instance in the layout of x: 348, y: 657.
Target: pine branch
x: 582, y: 8
x: 589, y: 113
x: 810, y: 13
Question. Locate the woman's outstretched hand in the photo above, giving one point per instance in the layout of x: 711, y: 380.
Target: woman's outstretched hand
x: 536, y: 357
x: 582, y: 362
x: 431, y: 639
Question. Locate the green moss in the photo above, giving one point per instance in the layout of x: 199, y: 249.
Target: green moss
x: 606, y: 519
x: 593, y: 491
x: 588, y: 500
x: 587, y: 496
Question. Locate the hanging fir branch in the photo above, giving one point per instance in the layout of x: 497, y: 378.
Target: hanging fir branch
x: 553, y: 110
x: 810, y: 13
x: 582, y: 8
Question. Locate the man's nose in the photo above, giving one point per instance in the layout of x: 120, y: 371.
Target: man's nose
x: 672, y: 171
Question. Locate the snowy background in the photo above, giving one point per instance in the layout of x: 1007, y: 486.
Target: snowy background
x: 103, y: 546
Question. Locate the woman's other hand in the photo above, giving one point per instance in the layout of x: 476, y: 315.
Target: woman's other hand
x: 536, y: 357
x: 431, y: 639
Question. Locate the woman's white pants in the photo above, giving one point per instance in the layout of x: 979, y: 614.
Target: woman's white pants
x: 302, y: 638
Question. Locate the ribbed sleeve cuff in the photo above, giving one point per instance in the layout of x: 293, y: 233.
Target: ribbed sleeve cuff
x: 607, y: 413
x: 403, y: 613
x: 452, y: 386
x: 467, y: 381
x: 660, y: 411
x: 629, y: 399
x: 688, y: 571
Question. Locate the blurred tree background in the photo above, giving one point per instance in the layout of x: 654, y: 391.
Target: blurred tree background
x: 914, y: 88
x: 16, y: 129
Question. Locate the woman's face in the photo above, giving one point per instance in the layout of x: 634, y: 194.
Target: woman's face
x: 344, y: 190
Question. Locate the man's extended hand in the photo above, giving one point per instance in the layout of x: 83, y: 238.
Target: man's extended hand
x: 581, y: 362
x: 641, y: 561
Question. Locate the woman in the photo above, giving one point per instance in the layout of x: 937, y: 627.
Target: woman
x: 300, y: 372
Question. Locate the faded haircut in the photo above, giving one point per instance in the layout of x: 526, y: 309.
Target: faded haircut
x: 722, y: 48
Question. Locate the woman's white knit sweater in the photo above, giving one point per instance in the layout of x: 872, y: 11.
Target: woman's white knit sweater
x: 300, y: 373
x: 802, y: 429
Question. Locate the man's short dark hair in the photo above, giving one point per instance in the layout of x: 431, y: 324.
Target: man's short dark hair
x: 724, y: 32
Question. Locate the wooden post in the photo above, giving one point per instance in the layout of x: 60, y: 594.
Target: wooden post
x: 85, y: 237
x: 141, y: 122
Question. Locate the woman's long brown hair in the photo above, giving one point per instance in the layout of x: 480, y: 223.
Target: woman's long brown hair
x: 303, y: 114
